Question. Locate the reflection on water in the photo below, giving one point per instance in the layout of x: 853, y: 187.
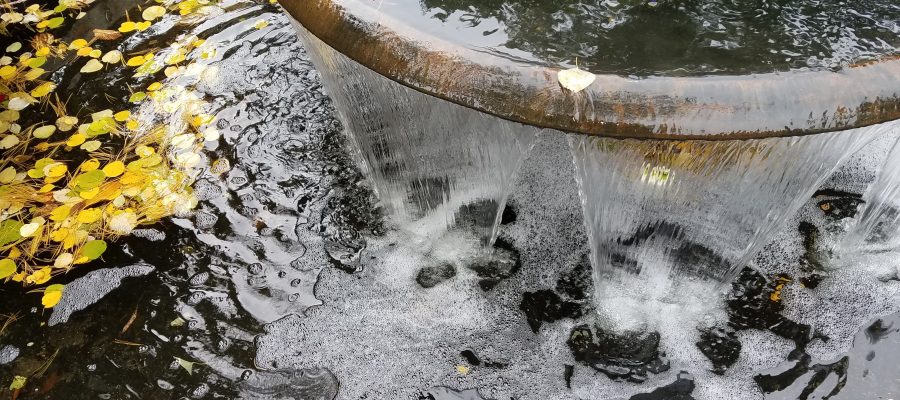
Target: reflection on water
x: 665, y: 37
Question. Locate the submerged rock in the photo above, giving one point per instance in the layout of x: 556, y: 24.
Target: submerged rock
x: 629, y: 356
x: 721, y: 346
x: 431, y: 276
x: 546, y: 306
x: 494, y: 268
x: 681, y: 389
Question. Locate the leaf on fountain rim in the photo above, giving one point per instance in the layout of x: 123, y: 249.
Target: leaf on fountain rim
x: 575, y: 79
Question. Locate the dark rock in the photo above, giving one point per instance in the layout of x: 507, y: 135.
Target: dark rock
x: 494, y: 268
x: 577, y: 282
x: 431, y: 276
x: 509, y: 214
x: 546, y: 306
x: 629, y: 356
x: 838, y: 204
x: 819, y: 374
x: 811, y: 259
x: 479, y: 214
x: 470, y: 357
x: 721, y: 346
x: 750, y: 306
x: 681, y: 389
x: 567, y: 374
x: 878, y: 331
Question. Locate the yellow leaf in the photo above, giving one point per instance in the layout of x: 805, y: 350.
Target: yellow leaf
x: 57, y: 215
x: 84, y: 51
x: 34, y: 73
x: 91, y: 66
x: 55, y: 22
x: 7, y: 175
x: 77, y: 44
x: 42, y: 52
x: 47, y: 188
x: 131, y: 124
x: 127, y: 26
x: 40, y: 276
x: 137, y: 97
x: 95, y: 53
x: 92, y: 145
x: 14, y: 47
x: 260, y: 23
x: 7, y: 71
x: 114, y: 169
x: 55, y: 170
x: 153, y: 86
x: 89, y: 215
x: 90, y: 165
x: 76, y: 140
x: 52, y: 295
x: 7, y: 268
x: 144, y: 151
x: 135, y: 61
x: 89, y: 194
x: 121, y: 116
x: 112, y: 57
x: 153, y: 12
x: 202, y: 119
x: 43, y: 90
x: 142, y: 26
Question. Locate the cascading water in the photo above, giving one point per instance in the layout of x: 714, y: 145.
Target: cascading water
x: 878, y: 223
x: 670, y: 220
x: 434, y: 165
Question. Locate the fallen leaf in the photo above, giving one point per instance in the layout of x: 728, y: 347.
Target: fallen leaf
x: 106, y: 34
x: 576, y: 79
x: 187, y: 365
x: 112, y: 57
x: 52, y: 295
x: 153, y: 12
x: 91, y: 66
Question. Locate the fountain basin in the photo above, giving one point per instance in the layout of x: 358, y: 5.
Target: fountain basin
x: 397, y: 41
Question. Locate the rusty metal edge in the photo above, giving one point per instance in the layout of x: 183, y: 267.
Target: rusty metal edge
x: 757, y: 106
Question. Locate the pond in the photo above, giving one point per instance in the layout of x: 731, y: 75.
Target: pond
x: 286, y: 282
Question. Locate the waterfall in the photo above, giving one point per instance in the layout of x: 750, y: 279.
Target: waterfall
x: 877, y: 225
x: 669, y: 221
x: 435, y: 165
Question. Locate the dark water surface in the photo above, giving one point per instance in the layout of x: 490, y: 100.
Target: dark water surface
x: 666, y: 37
x: 200, y: 292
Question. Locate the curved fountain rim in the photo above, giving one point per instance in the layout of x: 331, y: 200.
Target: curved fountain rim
x: 715, y: 107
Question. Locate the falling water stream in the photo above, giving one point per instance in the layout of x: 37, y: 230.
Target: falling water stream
x: 878, y: 225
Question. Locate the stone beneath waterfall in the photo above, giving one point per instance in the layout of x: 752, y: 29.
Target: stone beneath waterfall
x: 721, y: 346
x: 431, y: 276
x: 546, y: 306
x: 494, y: 268
x: 627, y: 356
